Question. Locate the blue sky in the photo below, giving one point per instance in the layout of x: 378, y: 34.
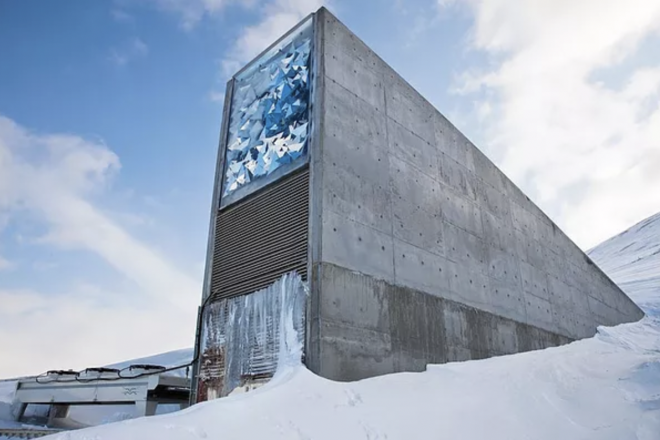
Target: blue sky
x: 109, y: 121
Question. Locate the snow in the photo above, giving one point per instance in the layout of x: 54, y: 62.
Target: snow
x: 632, y: 260
x: 7, y: 389
x: 168, y: 360
x: 605, y: 387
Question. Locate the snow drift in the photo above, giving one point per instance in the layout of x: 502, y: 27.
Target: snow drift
x: 605, y: 387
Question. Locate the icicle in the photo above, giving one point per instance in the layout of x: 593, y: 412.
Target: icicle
x: 248, y: 337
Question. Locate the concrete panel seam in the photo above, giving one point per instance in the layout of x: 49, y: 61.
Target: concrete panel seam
x: 387, y: 139
x: 356, y: 96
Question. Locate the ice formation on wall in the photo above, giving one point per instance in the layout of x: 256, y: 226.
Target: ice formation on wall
x: 245, y: 338
x: 269, y: 120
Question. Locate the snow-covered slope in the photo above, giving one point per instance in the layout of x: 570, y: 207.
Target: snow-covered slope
x: 606, y: 387
x: 168, y: 360
x: 632, y: 260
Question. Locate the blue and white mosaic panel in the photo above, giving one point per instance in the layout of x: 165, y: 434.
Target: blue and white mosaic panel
x: 269, y: 120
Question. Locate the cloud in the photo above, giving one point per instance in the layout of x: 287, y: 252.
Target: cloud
x: 277, y: 17
x: 42, y: 331
x: 133, y: 49
x: 216, y: 96
x: 5, y: 264
x: 586, y: 149
x: 122, y: 16
x: 55, y: 180
x: 191, y: 12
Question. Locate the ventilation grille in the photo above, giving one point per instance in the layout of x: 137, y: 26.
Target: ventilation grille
x: 260, y: 239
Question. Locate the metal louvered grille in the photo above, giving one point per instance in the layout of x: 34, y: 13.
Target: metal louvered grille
x: 261, y: 238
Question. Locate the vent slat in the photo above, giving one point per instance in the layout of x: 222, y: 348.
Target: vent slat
x: 275, y: 239
x: 292, y: 218
x: 261, y: 238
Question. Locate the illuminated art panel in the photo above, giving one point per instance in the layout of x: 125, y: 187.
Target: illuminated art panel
x: 269, y: 118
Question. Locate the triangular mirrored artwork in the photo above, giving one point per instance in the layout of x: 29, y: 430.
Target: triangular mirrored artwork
x: 269, y: 119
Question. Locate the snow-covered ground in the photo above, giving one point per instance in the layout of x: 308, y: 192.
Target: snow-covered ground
x: 606, y: 387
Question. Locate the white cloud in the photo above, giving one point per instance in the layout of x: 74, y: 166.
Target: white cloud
x: 5, y: 264
x: 191, y: 12
x: 277, y: 17
x: 586, y: 150
x: 53, y: 180
x: 133, y: 49
x: 41, y: 331
x: 216, y: 96
x: 121, y: 16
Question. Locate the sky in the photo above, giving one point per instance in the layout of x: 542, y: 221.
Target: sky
x: 110, y: 114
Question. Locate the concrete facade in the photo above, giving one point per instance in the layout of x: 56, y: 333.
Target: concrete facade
x: 417, y: 249
x: 422, y: 250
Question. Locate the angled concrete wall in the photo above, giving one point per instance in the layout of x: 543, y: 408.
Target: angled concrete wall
x: 423, y: 251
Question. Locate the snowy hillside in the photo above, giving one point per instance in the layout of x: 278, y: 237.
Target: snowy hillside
x: 632, y: 260
x: 606, y: 387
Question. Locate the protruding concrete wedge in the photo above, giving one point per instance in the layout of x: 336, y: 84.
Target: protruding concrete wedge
x: 415, y: 247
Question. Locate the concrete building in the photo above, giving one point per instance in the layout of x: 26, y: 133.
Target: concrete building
x: 413, y: 246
